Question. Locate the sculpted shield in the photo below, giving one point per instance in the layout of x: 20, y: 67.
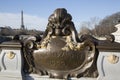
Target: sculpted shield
x: 60, y: 53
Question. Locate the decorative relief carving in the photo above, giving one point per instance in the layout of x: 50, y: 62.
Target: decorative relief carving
x: 113, y: 59
x: 71, y: 45
x: 10, y: 54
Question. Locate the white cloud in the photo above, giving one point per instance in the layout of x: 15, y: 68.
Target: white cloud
x: 30, y: 21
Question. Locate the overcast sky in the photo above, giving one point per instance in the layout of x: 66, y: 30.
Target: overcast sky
x: 36, y: 12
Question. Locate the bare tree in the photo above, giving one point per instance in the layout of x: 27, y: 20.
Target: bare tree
x: 106, y: 25
x: 89, y: 25
x: 85, y: 30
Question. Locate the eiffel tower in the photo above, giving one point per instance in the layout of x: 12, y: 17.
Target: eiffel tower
x: 22, y: 21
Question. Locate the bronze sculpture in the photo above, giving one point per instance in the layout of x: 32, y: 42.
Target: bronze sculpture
x: 60, y: 53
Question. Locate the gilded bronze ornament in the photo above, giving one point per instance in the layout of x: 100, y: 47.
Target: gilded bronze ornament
x: 60, y: 53
x: 10, y: 54
x: 113, y: 59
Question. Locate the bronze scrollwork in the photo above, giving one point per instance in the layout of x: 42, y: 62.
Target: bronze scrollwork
x: 60, y: 53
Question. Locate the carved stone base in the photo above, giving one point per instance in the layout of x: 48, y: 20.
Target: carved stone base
x: 10, y: 78
x: 37, y: 77
x: 10, y: 61
x: 108, y: 66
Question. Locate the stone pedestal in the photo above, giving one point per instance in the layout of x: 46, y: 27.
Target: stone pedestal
x: 108, y: 65
x: 10, y: 61
x: 37, y: 77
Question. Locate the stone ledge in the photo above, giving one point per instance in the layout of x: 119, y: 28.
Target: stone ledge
x: 37, y: 77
